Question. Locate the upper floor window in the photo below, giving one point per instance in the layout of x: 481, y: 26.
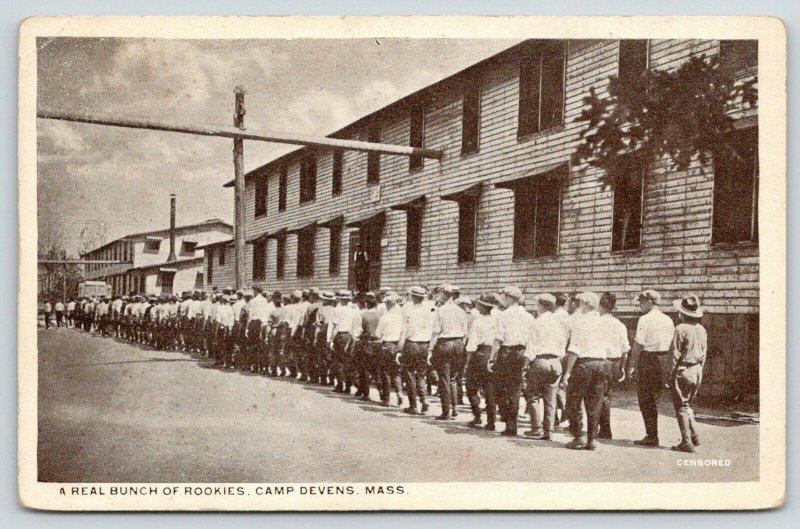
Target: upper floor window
x: 471, y: 117
x: 152, y: 245
x: 541, y: 88
x: 374, y: 158
x: 261, y: 195
x: 736, y: 171
x: 738, y: 55
x: 626, y: 224
x: 188, y: 247
x: 308, y: 178
x: 416, y: 135
x: 633, y: 59
x: 336, y: 176
x: 283, y: 182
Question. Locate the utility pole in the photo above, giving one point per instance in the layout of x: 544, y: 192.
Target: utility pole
x: 238, y: 194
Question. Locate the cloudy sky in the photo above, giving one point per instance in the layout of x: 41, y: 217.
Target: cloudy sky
x: 104, y: 180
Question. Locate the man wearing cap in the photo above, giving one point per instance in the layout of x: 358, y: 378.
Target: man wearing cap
x: 388, y: 331
x: 586, y: 374
x: 616, y: 356
x: 225, y: 321
x: 294, y: 316
x: 546, y: 351
x: 344, y: 329
x: 508, y: 360
x: 311, y: 373
x: 650, y: 355
x: 446, y: 347
x: 414, y: 341
x: 689, y: 348
x: 480, y: 339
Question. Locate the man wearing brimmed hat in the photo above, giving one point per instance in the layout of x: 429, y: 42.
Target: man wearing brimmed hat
x: 367, y: 356
x: 586, y: 373
x: 508, y: 360
x: 311, y: 369
x: 650, y: 355
x: 689, y: 348
x: 548, y: 347
x: 480, y: 339
x: 390, y: 327
x: 344, y: 329
x: 414, y: 341
x: 616, y: 340
x: 446, y: 348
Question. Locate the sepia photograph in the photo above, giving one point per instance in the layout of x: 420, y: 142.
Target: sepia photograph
x: 284, y: 269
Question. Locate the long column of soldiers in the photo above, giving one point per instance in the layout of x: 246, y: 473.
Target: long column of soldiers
x: 564, y: 362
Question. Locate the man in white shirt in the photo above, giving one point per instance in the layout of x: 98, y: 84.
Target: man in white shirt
x: 586, y: 374
x: 258, y: 313
x: 546, y: 351
x: 508, y: 360
x: 650, y: 355
x: 390, y: 326
x: 480, y: 339
x: 617, y: 354
x: 322, y: 351
x: 71, y: 313
x: 446, y: 347
x: 224, y: 320
x: 344, y: 329
x: 414, y: 341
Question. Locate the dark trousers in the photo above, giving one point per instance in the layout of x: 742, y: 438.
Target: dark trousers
x: 479, y: 378
x: 343, y: 360
x: 587, y: 386
x: 415, y: 365
x: 446, y: 359
x: 47, y: 320
x: 605, y: 413
x: 389, y: 372
x: 254, y: 343
x: 653, y: 373
x: 369, y: 366
x: 59, y: 318
x: 544, y: 375
x: 508, y: 375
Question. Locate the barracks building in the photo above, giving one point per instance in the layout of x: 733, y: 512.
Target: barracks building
x: 505, y: 205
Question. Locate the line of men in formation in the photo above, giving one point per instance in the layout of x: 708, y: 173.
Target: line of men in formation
x: 564, y: 362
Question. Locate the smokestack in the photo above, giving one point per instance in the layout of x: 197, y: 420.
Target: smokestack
x: 172, y: 256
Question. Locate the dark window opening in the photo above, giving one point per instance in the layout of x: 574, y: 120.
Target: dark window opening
x: 152, y: 246
x: 280, y: 256
x: 308, y: 178
x: 736, y: 188
x: 467, y: 228
x: 338, y: 168
x: 259, y: 260
x: 210, y: 266
x: 541, y: 89
x: 374, y: 158
x: 471, y: 117
x: 738, y: 55
x: 633, y: 60
x: 626, y: 227
x: 335, y: 255
x: 305, y: 252
x: 222, y: 256
x: 413, y: 236
x: 416, y: 135
x: 261, y: 196
x: 282, y: 191
x: 536, y: 217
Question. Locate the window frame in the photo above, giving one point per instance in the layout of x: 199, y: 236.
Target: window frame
x: 533, y: 185
x: 336, y: 231
x: 210, y: 265
x: 308, y: 178
x: 283, y: 185
x: 413, y: 257
x: 416, y: 119
x: 337, y: 173
x: 261, y: 196
x: 462, y: 203
x: 538, y: 53
x: 305, y: 252
x: 642, y: 178
x: 756, y: 177
x: 280, y: 256
x: 259, y: 270
x: 470, y: 148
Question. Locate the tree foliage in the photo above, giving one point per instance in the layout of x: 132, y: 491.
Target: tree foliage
x: 680, y: 114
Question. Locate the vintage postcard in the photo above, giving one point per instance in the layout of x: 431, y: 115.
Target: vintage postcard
x: 402, y: 263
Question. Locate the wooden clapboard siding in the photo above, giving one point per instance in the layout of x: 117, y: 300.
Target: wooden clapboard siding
x: 676, y: 256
